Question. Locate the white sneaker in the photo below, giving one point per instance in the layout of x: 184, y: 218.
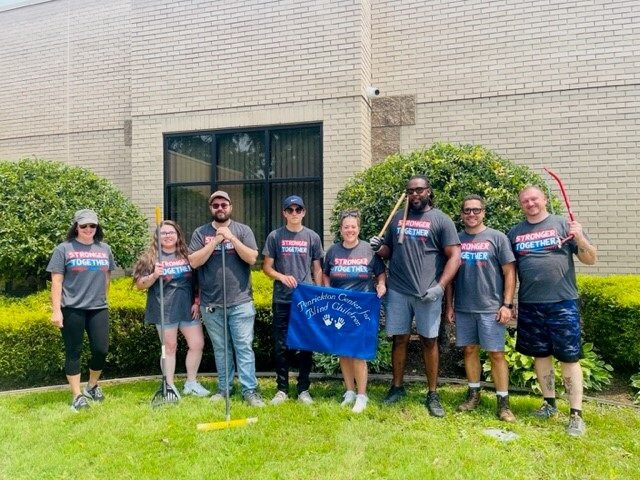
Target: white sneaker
x: 305, y: 397
x: 349, y: 397
x: 361, y: 403
x: 194, y: 387
x: 217, y: 397
x: 279, y: 397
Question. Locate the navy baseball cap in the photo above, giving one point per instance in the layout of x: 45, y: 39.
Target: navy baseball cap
x: 292, y: 200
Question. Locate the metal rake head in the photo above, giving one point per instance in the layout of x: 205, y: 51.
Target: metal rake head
x: 164, y: 396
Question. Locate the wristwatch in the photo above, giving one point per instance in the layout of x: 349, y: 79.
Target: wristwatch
x: 508, y: 305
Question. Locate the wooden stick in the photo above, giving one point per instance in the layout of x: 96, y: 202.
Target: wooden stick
x: 404, y: 222
x: 393, y: 212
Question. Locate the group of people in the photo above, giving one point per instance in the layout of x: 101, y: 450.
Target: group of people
x: 472, y: 272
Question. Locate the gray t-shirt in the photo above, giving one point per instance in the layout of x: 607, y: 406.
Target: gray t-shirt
x: 545, y: 270
x: 84, y: 269
x: 417, y: 264
x: 178, y: 291
x: 292, y: 253
x: 479, y: 283
x: 238, y: 272
x: 352, y: 268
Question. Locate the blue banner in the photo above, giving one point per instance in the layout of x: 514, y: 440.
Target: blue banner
x: 333, y: 320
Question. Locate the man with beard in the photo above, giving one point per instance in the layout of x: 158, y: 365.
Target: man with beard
x: 241, y: 251
x: 548, y: 317
x: 419, y: 270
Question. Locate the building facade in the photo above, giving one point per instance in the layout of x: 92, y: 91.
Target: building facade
x: 168, y: 98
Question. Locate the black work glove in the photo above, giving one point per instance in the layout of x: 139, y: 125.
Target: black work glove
x: 376, y: 242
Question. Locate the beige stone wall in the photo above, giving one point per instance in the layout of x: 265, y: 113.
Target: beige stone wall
x: 66, y: 69
x: 543, y: 83
x: 98, y: 83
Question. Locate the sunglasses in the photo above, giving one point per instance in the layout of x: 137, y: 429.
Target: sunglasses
x: 290, y: 210
x: 350, y: 213
x: 88, y: 225
x: 469, y: 211
x: 222, y: 205
x: 418, y: 190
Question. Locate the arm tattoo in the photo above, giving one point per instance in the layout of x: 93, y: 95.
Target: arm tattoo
x: 568, y: 385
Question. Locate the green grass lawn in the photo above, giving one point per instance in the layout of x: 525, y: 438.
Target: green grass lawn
x: 124, y: 438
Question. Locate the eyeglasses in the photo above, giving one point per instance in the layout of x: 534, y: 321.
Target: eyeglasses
x: 350, y: 213
x: 167, y: 234
x: 469, y: 211
x: 88, y: 225
x: 222, y: 205
x: 418, y: 190
x: 290, y: 210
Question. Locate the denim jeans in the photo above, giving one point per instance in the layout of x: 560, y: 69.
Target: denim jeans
x: 280, y: 328
x: 240, y: 319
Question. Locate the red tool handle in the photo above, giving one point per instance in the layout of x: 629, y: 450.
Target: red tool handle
x: 564, y: 195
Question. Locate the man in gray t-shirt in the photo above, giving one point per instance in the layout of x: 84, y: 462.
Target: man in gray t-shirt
x: 484, y: 288
x: 237, y: 243
x: 548, y: 318
x: 292, y: 255
x: 420, y: 267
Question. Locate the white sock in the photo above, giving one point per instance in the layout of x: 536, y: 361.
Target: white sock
x: 474, y: 384
x: 502, y: 394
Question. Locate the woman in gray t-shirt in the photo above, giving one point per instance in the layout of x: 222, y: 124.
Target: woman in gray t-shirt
x: 181, y: 306
x: 353, y: 265
x: 80, y: 270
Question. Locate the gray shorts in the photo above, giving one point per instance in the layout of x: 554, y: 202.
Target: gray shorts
x: 180, y: 324
x: 401, y: 310
x: 480, y: 329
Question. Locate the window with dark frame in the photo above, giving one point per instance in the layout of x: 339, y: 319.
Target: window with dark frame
x: 257, y: 167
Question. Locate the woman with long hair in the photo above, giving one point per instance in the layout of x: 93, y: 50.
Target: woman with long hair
x: 80, y: 270
x: 353, y: 265
x: 181, y: 305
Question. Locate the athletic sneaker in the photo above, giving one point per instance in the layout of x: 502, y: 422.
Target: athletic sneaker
x: 194, y: 387
x: 217, y: 397
x: 349, y: 397
x: 279, y: 397
x: 433, y: 405
x: 394, y: 395
x: 545, y: 411
x: 253, y: 398
x: 175, y: 390
x: 361, y: 403
x: 94, y: 393
x: 79, y: 403
x: 576, y: 427
x: 305, y: 397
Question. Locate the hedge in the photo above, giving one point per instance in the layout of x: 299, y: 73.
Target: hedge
x: 32, y: 353
x: 610, y: 309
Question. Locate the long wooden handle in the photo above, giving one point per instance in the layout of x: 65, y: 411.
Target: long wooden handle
x: 404, y: 221
x: 393, y: 212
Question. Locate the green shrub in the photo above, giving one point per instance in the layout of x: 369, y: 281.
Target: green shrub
x: 38, y: 201
x: 330, y: 364
x: 635, y: 384
x: 454, y: 172
x: 610, y: 310
x: 32, y: 352
x: 596, y: 373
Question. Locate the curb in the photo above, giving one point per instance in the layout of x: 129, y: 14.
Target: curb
x: 380, y: 377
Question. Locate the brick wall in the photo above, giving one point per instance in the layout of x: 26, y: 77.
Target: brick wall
x: 543, y: 83
x: 66, y: 69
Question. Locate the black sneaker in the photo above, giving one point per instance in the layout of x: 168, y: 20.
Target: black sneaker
x: 433, y: 405
x: 395, y: 395
x: 94, y: 393
x: 79, y: 403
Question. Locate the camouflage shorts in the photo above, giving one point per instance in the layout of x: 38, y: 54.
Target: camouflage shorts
x: 546, y: 329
